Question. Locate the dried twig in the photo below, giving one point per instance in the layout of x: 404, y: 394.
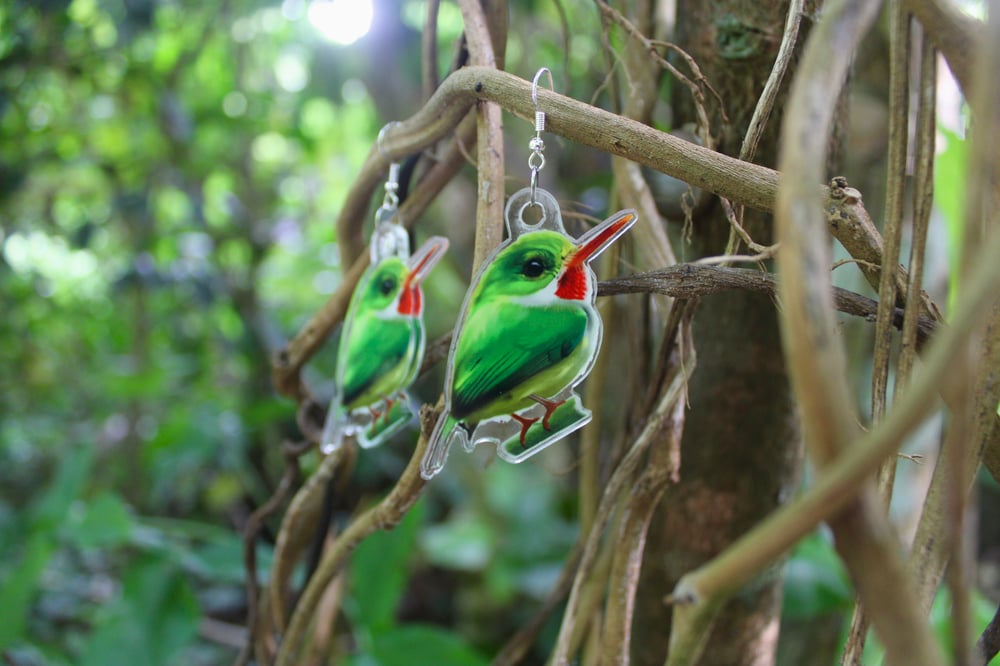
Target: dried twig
x: 622, y: 474
x: 899, y: 113
x: 383, y: 516
x: 297, y: 527
x: 761, y: 114
x: 696, y: 87
x: 641, y: 503
x: 289, y: 478
x: 923, y: 194
x: 989, y: 642
x: 490, y: 160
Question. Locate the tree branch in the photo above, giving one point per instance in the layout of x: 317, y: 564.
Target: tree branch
x: 383, y: 516
x: 899, y: 113
x: 694, y: 280
x: 658, y: 419
x: 641, y: 502
x: 289, y: 479
x: 815, y: 357
x: 297, y: 527
x: 741, y: 182
x: 951, y: 31
x: 839, y: 484
x: 489, y: 126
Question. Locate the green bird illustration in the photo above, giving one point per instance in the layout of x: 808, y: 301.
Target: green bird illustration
x: 529, y: 333
x: 381, y: 349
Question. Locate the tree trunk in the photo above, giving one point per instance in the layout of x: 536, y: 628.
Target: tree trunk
x: 741, y: 451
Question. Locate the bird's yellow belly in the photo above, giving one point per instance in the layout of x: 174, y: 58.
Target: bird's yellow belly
x: 546, y: 384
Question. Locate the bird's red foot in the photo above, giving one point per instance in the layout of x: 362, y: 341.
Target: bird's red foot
x: 526, y: 422
x: 389, y: 402
x: 550, y: 407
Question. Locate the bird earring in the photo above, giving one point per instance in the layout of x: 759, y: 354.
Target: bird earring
x: 528, y: 332
x: 382, y: 341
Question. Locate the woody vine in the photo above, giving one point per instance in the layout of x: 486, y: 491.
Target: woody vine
x: 958, y: 357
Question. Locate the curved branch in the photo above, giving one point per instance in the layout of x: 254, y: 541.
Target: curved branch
x: 836, y: 488
x: 749, y: 184
x: 952, y: 31
x: 289, y: 361
x: 383, y: 516
x: 815, y: 357
x: 741, y: 182
x: 642, y: 500
x: 786, y: 50
x: 289, y: 478
x: 297, y: 527
x: 839, y: 484
x: 899, y: 111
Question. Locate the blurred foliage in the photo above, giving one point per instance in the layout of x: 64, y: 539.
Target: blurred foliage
x: 169, y: 174
x: 949, y: 197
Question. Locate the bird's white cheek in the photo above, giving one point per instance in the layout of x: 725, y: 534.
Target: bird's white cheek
x: 544, y: 296
x: 390, y: 311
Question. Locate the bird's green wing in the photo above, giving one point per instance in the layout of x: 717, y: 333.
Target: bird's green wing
x: 375, y: 360
x: 502, y: 346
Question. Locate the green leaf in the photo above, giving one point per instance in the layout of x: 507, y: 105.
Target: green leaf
x: 221, y: 560
x: 155, y: 618
x: 941, y: 623
x: 18, y: 591
x: 378, y: 573
x: 949, y: 198
x: 942, y: 614
x: 105, y: 522
x: 815, y: 580
x: 200, y: 549
x: 424, y: 644
x: 466, y: 542
x: 65, y: 488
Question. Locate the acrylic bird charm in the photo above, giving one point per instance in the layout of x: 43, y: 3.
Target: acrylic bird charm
x: 381, y: 346
x: 528, y: 334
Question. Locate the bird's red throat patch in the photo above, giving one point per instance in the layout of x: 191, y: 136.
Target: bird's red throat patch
x: 573, y: 283
x: 410, y: 301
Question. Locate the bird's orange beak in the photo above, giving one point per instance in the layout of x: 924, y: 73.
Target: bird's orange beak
x: 420, y: 264
x: 573, y: 280
x: 594, y: 241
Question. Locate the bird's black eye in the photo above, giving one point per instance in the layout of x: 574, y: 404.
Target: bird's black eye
x: 532, y: 268
x: 387, y: 286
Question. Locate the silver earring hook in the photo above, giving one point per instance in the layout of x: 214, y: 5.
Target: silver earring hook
x: 391, y: 200
x: 536, y: 160
x: 389, y: 239
x: 381, y: 137
x: 534, y: 86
